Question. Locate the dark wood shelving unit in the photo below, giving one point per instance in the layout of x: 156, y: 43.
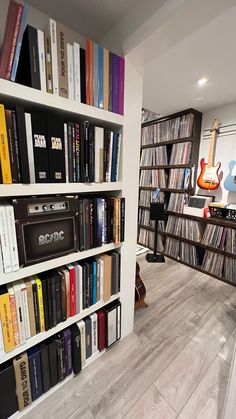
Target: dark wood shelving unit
x: 171, y: 142
x: 167, y: 166
x: 153, y: 188
x: 211, y: 220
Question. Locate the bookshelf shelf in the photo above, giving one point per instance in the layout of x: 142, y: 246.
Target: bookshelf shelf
x: 16, y: 93
x: 211, y: 220
x: 167, y: 166
x: 57, y: 188
x: 55, y: 263
x: 61, y: 326
x: 151, y: 188
x: 176, y: 141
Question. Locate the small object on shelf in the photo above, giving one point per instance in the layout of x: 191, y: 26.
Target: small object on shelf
x: 197, y: 205
x: 140, y: 290
x: 157, y: 213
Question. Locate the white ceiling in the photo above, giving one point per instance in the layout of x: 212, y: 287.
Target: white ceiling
x: 170, y: 80
x: 93, y: 18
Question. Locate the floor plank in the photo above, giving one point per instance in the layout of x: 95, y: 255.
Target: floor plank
x: 207, y: 401
x: 227, y: 350
x: 151, y: 406
x: 82, y: 413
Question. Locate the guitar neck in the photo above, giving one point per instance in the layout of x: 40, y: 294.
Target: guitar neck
x: 210, y: 162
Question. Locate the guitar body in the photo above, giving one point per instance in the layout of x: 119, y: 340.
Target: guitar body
x: 140, y: 290
x: 209, y: 176
x: 230, y: 181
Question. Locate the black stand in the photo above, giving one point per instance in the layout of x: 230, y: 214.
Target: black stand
x: 155, y: 258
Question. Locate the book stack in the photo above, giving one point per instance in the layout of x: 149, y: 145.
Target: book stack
x: 41, y: 147
x: 181, y: 153
x: 179, y: 178
x: 177, y: 202
x: 183, y: 227
x: 38, y: 303
x: 43, y: 366
x: 153, y: 178
x: 153, y: 156
x: 49, y: 62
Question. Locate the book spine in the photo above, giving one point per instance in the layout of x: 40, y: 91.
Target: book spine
x: 77, y: 90
x: 66, y: 152
x: 6, y: 254
x: 121, y: 85
x: 42, y: 67
x: 70, y: 155
x: 29, y: 138
x: 34, y: 58
x: 14, y: 317
x: 117, y: 168
x: 25, y: 311
x: 49, y: 298
x: 2, y: 351
x: 12, y: 237
x: 91, y: 154
x: 35, y: 374
x: 82, y: 75
x: 7, y: 39
x: 22, y: 377
x: 45, y: 304
x: 122, y: 219
x: 114, y: 156
x: 70, y: 71
x: 74, y: 152
x: 68, y: 351
x: 100, y: 77
x: 94, y: 282
x: 11, y: 143
x: 16, y: 145
x: 62, y: 60
x: 36, y: 307
x: 23, y: 152
x: 4, y: 149
x: 105, y: 79
x: 76, y: 348
x: 48, y: 62
x: 95, y: 74
x: 110, y: 81
x: 6, y: 319
x: 53, y: 34
x: 115, y: 83
x: 110, y: 157
x: 40, y: 304
x: 63, y: 296
x: 22, y: 28
x: 77, y: 151
x: 58, y: 298
x: 14, y: 41
x: 88, y: 73
x: 91, y: 87
x: 72, y: 292
x: 86, y: 151
x: 30, y: 307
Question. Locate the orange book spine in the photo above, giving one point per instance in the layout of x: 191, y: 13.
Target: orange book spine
x: 4, y: 148
x: 14, y: 319
x: 6, y: 319
x: 88, y: 74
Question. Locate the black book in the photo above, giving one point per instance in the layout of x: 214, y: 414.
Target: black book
x: 63, y: 296
x: 76, y: 349
x: 53, y: 295
x: 86, y: 150
x: 49, y: 295
x: 35, y: 368
x: 45, y: 301
x: 74, y: 153
x: 8, y: 398
x: 87, y: 223
x: 110, y: 82
x: 88, y: 336
x: 87, y: 284
x: 77, y: 151
x: 57, y: 277
x: 53, y: 361
x: 70, y: 150
x: 28, y: 72
x: 82, y: 75
x: 122, y: 219
x: 82, y: 152
x: 40, y: 147
x: 56, y: 148
x: 95, y: 236
x: 91, y: 222
x: 107, y: 139
x: 36, y: 306
x: 91, y: 154
x: 16, y: 143
x: 44, y: 354
x: 60, y: 349
x: 81, y: 206
x: 11, y: 143
x: 23, y: 149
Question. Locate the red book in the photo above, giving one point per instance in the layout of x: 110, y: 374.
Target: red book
x: 88, y: 72
x: 14, y: 41
x: 72, y: 290
x: 8, y: 38
x: 101, y: 330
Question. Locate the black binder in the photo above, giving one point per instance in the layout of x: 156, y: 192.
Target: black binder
x: 23, y: 149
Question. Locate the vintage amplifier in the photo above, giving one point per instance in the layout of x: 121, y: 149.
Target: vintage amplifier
x: 46, y: 227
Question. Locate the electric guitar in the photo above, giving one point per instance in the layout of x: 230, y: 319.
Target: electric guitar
x: 230, y: 181
x: 209, y: 176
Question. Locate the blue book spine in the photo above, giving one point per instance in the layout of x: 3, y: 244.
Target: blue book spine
x: 94, y: 282
x: 23, y: 24
x: 99, y: 220
x: 35, y: 372
x: 100, y: 77
x: 114, y: 156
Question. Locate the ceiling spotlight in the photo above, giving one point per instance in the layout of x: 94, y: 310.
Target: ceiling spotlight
x: 202, y: 81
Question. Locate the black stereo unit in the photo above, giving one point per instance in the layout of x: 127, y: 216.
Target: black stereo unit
x: 46, y: 227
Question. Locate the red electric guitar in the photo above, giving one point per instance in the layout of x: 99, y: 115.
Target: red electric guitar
x: 209, y: 176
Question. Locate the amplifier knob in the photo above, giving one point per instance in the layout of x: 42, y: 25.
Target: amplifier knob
x: 45, y: 207
x: 36, y: 208
x: 52, y: 206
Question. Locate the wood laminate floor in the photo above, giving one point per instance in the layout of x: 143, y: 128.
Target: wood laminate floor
x: 176, y: 363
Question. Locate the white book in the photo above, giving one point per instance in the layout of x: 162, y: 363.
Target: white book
x: 101, y: 277
x: 94, y: 327
x: 108, y: 174
x: 1, y: 259
x: 98, y: 154
x: 12, y: 237
x: 66, y: 151
x: 19, y: 312
x: 6, y: 254
x: 29, y: 138
x: 25, y: 310
x: 53, y: 36
x: 81, y: 326
x: 42, y: 68
x: 2, y: 351
x: 76, y: 56
x: 70, y: 71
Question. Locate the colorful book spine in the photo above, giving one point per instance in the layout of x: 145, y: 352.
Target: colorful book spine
x: 88, y: 72
x: 4, y: 149
x: 105, y: 79
x: 40, y: 302
x: 14, y: 40
x: 100, y: 77
x: 22, y: 28
x: 115, y: 83
x: 122, y: 85
x: 95, y: 74
x: 6, y: 319
x: 8, y: 37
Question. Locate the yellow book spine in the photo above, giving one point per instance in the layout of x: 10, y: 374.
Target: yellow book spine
x: 4, y: 149
x: 40, y: 300
x: 6, y: 319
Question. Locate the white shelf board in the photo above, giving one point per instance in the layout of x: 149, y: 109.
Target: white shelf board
x: 19, y: 189
x: 55, y: 263
x: 14, y: 92
x: 35, y: 340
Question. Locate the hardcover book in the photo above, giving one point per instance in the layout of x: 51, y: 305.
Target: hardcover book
x: 40, y: 147
x: 76, y: 348
x: 60, y: 350
x: 4, y: 149
x: 23, y: 149
x: 35, y: 372
x: 44, y: 356
x: 6, y: 319
x: 8, y: 398
x: 88, y: 336
x: 22, y: 377
x: 56, y: 148
x: 8, y: 38
x: 62, y: 60
x: 68, y: 350
x: 53, y: 361
x: 82, y: 75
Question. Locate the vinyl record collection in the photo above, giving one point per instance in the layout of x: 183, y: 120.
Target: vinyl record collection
x: 53, y: 62
x: 154, y: 156
x: 181, y: 153
x: 146, y: 238
x: 181, y: 251
x: 183, y: 227
x: 42, y: 147
x: 36, y: 371
x: 213, y: 263
x: 144, y: 218
x: 175, y: 128
x: 179, y: 179
x: 177, y: 202
x: 221, y: 237
x: 153, y: 178
x: 145, y: 197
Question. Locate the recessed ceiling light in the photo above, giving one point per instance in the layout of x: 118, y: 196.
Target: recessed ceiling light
x: 202, y: 81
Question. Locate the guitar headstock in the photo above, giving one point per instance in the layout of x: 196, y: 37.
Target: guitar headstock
x: 215, y: 125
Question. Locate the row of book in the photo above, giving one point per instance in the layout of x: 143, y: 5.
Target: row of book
x: 183, y: 227
x: 144, y: 218
x: 223, y: 238
x: 181, y: 251
x: 177, y: 202
x: 220, y: 265
x: 146, y: 238
x: 100, y: 221
x: 173, y: 129
x: 41, y: 147
x: 40, y: 302
x: 179, y: 178
x: 180, y: 154
x: 36, y: 371
x: 154, y: 156
x: 49, y: 62
x: 146, y: 197
x: 153, y: 178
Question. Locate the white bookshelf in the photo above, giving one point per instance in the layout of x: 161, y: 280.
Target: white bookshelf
x: 35, y: 340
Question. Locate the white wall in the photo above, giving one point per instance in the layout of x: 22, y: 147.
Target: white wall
x: 225, y: 147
